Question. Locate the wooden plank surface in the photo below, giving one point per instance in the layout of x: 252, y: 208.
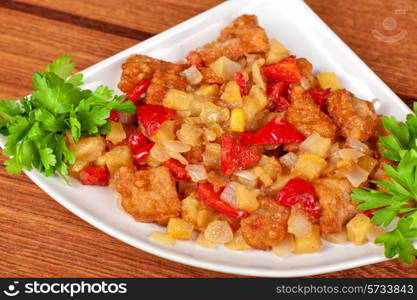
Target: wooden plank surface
x: 40, y: 238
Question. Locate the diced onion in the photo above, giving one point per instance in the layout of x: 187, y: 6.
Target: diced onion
x: 230, y: 68
x: 229, y: 194
x: 246, y: 174
x: 285, y: 247
x: 193, y: 75
x: 374, y: 232
x: 179, y: 157
x: 299, y: 224
x: 336, y: 238
x: 126, y: 118
x: 357, y: 145
x: 350, y: 154
x: 289, y: 160
x: 176, y: 146
x: 256, y: 73
x: 357, y: 176
x: 196, y: 172
x: 159, y: 153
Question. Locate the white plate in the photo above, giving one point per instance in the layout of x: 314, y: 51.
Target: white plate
x: 295, y: 25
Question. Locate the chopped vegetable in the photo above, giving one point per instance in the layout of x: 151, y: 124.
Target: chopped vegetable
x: 180, y: 229
x: 143, y: 152
x: 240, y: 79
x: 135, y: 94
x: 320, y: 96
x: 95, y: 175
x: 328, y: 80
x: 285, y: 70
x: 237, y: 120
x: 177, y: 169
x: 151, y: 117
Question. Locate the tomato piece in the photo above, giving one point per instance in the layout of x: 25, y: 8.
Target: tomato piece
x: 194, y: 59
x: 240, y: 80
x: 207, y: 194
x: 274, y: 132
x: 319, y: 96
x: 142, y: 152
x: 135, y: 94
x: 234, y: 156
x: 177, y: 169
x: 285, y: 70
x: 95, y: 175
x: 136, y: 140
x: 151, y: 117
x: 300, y: 191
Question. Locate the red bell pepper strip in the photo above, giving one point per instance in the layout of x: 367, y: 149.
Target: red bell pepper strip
x: 234, y: 156
x: 274, y: 132
x: 137, y: 140
x: 207, y: 194
x: 177, y: 169
x: 194, y: 59
x: 95, y: 175
x: 114, y: 116
x: 143, y: 152
x: 319, y: 96
x: 240, y: 80
x: 300, y: 191
x: 151, y: 117
x: 275, y: 92
x: 285, y: 70
x: 139, y: 89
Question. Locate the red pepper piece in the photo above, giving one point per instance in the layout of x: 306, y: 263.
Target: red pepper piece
x: 285, y: 70
x: 143, y: 152
x: 137, y: 140
x: 240, y: 79
x: 277, y: 101
x: 177, y: 169
x: 300, y: 191
x: 95, y: 175
x: 234, y: 156
x: 274, y: 132
x: 320, y: 96
x: 139, y: 89
x: 194, y: 59
x: 151, y: 117
x: 114, y: 116
x: 207, y: 194
x: 370, y: 212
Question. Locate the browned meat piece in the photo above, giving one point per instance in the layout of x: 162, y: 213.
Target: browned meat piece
x: 306, y: 70
x: 306, y: 116
x: 148, y: 195
x: 355, y: 118
x: 242, y: 36
x: 336, y: 206
x: 163, y: 75
x: 379, y: 172
x: 266, y: 226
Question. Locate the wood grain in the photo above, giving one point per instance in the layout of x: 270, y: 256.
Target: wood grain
x: 40, y: 238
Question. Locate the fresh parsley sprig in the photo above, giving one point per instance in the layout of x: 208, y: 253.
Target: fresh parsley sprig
x: 36, y: 126
x: 398, y: 196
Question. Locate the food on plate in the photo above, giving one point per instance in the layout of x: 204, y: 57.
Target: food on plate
x: 242, y: 144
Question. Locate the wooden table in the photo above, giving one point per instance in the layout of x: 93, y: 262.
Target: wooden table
x: 40, y: 238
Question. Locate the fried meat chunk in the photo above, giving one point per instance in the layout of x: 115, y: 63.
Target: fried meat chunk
x: 306, y: 116
x: 355, y: 118
x: 243, y: 36
x: 266, y: 226
x: 149, y: 195
x: 335, y: 204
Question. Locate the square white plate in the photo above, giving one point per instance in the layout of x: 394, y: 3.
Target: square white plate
x: 295, y: 25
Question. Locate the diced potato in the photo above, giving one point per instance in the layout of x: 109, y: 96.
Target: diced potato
x: 180, y: 229
x: 117, y: 133
x: 162, y: 238
x: 211, y: 155
x: 189, y: 209
x: 357, y: 228
x: 237, y: 120
x: 212, y: 113
x: 336, y: 238
x: 87, y: 150
x: 231, y: 94
x: 225, y: 68
x: 166, y: 132
x: 317, y: 145
x: 117, y: 157
x: 202, y: 242
x: 218, y: 231
x: 328, y: 80
x: 309, y: 166
x: 247, y: 199
x: 263, y: 176
x: 178, y: 100
x: 276, y: 52
x: 367, y: 163
x: 285, y: 247
x: 189, y: 134
x: 254, y: 103
x: 208, y: 90
x: 310, y: 243
x: 238, y: 242
x: 256, y: 73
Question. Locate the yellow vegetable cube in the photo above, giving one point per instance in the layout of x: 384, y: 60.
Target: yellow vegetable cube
x: 180, y: 229
x: 328, y: 80
x: 117, y: 133
x: 237, y: 120
x: 225, y: 68
x: 87, y: 150
x: 203, y: 218
x: 117, y: 157
x: 309, y: 166
x: 162, y: 238
x: 189, y: 209
x: 178, y: 100
x: 317, y: 145
x: 166, y: 132
x: 212, y: 113
x: 231, y: 94
x: 254, y: 103
x: 208, y: 90
x: 203, y: 242
x: 357, y: 229
x: 247, y: 199
x: 310, y: 243
x: 276, y: 52
x: 238, y: 242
